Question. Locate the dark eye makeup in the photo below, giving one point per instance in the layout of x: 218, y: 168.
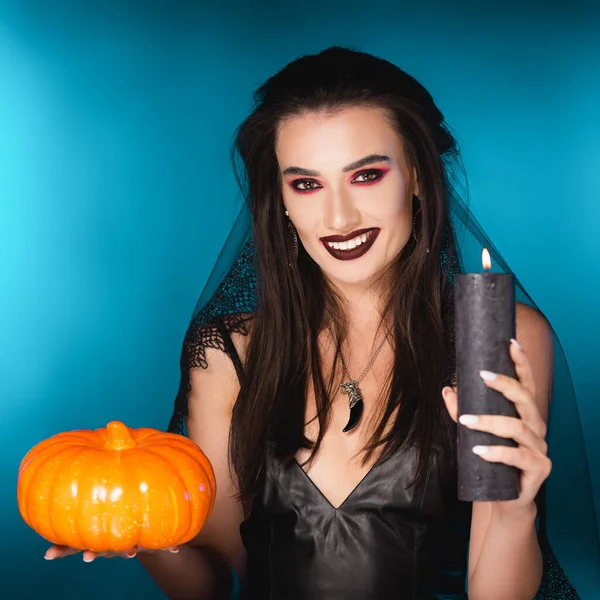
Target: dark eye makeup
x: 366, y: 177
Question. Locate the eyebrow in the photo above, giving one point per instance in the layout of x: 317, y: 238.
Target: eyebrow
x: 357, y: 164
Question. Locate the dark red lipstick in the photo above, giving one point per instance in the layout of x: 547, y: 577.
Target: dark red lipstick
x: 354, y: 253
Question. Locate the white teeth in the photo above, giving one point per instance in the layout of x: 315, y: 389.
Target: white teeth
x: 350, y: 244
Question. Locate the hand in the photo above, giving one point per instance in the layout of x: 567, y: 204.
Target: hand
x: 531, y: 454
x: 88, y: 556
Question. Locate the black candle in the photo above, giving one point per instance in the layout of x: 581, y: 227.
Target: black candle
x: 485, y: 323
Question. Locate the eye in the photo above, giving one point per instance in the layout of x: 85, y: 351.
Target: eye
x: 305, y: 185
x: 368, y: 176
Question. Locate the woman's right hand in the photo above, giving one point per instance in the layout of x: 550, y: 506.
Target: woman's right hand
x: 88, y: 556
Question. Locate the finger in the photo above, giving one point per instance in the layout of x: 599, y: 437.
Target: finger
x: 451, y: 400
x: 523, y: 367
x: 512, y: 390
x: 89, y: 556
x: 131, y: 553
x: 506, y: 427
x: 534, y: 465
x: 59, y: 552
x: 172, y: 549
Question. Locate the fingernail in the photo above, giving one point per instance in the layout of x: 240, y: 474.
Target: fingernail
x: 480, y: 449
x: 131, y: 553
x: 174, y: 550
x: 87, y: 559
x: 513, y: 341
x: 468, y: 419
x: 46, y: 557
x: 488, y: 375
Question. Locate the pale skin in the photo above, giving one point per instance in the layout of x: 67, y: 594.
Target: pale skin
x: 504, y: 559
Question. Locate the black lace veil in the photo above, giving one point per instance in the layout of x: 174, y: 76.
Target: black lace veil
x: 568, y: 530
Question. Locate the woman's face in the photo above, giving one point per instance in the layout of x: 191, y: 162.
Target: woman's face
x: 348, y: 189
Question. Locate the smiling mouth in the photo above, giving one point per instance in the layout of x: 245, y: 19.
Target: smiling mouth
x: 351, y: 246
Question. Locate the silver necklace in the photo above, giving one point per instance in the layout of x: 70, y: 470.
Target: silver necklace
x: 355, y: 397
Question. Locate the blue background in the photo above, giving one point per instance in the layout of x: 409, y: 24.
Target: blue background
x: 116, y: 196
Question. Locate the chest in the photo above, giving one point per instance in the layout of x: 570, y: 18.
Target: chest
x: 340, y: 465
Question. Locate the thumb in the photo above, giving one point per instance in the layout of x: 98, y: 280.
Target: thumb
x: 451, y: 399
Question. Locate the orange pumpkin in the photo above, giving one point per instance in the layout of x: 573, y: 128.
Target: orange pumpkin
x: 114, y: 488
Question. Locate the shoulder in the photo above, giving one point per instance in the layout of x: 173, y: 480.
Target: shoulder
x: 213, y: 352
x: 534, y: 333
x: 214, y: 337
x: 535, y: 336
x: 532, y: 324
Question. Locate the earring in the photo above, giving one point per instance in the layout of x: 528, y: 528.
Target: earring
x: 414, y: 229
x: 293, y: 235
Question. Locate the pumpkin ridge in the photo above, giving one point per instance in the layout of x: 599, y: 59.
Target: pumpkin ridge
x: 144, y: 434
x: 194, y: 453
x: 125, y: 524
x: 88, y: 465
x: 173, y: 450
x: 44, y: 446
x: 49, y: 489
x: 174, y: 471
x: 190, y: 448
x: 58, y: 475
x: 81, y: 436
x: 43, y: 456
x: 131, y: 465
x: 66, y: 437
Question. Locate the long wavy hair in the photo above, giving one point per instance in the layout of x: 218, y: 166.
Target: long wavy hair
x: 294, y: 299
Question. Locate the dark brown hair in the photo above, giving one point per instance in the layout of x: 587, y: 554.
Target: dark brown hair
x: 282, y: 355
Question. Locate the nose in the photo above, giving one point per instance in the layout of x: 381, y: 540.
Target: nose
x: 341, y: 214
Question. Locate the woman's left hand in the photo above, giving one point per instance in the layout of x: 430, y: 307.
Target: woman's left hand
x: 531, y: 454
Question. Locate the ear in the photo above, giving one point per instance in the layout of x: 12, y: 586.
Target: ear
x: 415, y: 184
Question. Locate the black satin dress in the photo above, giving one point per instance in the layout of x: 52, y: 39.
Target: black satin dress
x: 386, y: 541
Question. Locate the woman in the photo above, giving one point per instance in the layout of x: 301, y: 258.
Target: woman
x: 327, y: 410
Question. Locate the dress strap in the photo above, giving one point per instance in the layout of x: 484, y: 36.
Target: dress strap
x: 230, y: 348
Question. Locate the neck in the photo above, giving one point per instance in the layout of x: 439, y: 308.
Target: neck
x: 362, y: 306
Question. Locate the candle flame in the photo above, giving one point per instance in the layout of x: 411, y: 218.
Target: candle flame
x: 486, y: 259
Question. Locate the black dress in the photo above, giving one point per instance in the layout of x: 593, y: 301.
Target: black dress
x: 384, y: 542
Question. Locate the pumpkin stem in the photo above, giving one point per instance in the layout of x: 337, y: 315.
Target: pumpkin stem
x: 119, y: 437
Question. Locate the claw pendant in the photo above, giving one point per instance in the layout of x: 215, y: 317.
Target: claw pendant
x: 355, y: 400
